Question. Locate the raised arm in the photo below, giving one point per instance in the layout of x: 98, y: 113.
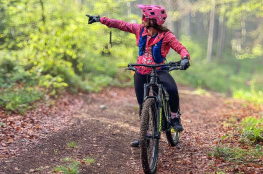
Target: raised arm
x: 122, y: 25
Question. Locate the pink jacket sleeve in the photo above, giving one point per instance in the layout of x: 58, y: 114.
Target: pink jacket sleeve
x: 174, y: 43
x: 122, y: 25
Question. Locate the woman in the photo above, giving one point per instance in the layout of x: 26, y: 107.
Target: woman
x: 154, y: 42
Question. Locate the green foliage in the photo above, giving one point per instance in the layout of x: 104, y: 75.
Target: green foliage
x: 72, y: 168
x: 67, y: 159
x: 220, y: 172
x: 89, y: 160
x: 237, y: 154
x: 12, y: 73
x: 252, y: 96
x: 49, y: 45
x: 55, y: 151
x: 19, y: 99
x: 252, y: 129
x: 52, y: 84
x: 2, y: 124
x: 72, y: 144
x: 229, y: 75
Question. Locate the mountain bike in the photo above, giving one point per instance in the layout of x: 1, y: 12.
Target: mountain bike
x: 155, y: 116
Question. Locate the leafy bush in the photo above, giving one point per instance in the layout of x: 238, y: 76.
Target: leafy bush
x: 252, y: 96
x: 96, y: 82
x: 19, y: 99
x: 252, y: 129
x: 11, y: 73
x: 52, y: 84
x: 61, y: 51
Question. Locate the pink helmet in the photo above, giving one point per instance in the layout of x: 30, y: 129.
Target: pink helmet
x: 154, y: 12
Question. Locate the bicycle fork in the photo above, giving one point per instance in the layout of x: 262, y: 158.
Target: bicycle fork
x: 159, y: 101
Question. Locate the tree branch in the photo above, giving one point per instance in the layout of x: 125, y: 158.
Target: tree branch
x: 43, y: 11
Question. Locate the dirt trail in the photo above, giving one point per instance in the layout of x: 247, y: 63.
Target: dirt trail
x: 106, y: 123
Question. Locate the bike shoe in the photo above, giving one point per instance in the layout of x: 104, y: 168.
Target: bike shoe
x: 136, y: 143
x: 176, y: 123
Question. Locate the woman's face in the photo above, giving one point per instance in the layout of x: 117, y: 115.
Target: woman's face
x: 145, y: 21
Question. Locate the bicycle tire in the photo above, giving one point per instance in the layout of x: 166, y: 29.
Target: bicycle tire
x: 172, y: 136
x: 149, y: 165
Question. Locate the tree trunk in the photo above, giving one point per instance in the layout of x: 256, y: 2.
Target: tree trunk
x: 186, y: 19
x: 187, y: 23
x: 211, y: 32
x: 169, y: 20
x: 221, y: 36
x: 129, y: 9
x: 177, y: 29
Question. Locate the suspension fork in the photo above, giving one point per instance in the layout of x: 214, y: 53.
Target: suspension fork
x: 160, y: 105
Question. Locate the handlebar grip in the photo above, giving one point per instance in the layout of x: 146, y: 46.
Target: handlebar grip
x: 132, y: 68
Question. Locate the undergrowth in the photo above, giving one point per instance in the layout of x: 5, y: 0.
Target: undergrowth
x: 252, y: 129
x: 72, y: 166
x: 20, y: 99
x: 237, y: 154
x: 242, y: 145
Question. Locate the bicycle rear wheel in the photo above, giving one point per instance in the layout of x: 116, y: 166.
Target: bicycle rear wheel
x: 172, y: 135
x: 149, y: 140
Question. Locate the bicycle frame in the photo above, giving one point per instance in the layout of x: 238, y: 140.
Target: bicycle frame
x: 160, y: 100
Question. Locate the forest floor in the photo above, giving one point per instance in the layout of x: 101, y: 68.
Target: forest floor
x: 91, y: 133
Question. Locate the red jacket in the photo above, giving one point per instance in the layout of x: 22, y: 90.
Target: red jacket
x: 169, y: 39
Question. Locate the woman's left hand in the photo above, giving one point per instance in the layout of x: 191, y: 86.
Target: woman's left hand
x: 185, y: 63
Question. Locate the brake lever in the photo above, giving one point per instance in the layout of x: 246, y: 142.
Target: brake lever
x: 131, y: 68
x: 173, y: 68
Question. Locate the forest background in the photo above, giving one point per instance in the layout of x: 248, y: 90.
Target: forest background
x: 47, y: 47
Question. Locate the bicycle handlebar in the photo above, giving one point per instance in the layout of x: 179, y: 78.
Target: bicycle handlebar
x: 169, y: 66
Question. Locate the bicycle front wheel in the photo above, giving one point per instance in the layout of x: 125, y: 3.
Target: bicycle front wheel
x: 149, y: 139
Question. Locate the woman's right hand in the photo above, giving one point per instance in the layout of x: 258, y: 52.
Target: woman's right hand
x: 93, y: 19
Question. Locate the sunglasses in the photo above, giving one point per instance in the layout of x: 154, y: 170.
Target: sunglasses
x: 144, y: 17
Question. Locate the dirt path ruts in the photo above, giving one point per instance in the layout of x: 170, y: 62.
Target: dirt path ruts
x: 106, y: 124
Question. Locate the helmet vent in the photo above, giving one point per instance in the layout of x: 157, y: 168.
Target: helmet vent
x: 164, y: 18
x: 150, y: 9
x: 152, y: 13
x: 162, y: 12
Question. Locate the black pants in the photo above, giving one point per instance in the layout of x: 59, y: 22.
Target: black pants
x: 168, y: 82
